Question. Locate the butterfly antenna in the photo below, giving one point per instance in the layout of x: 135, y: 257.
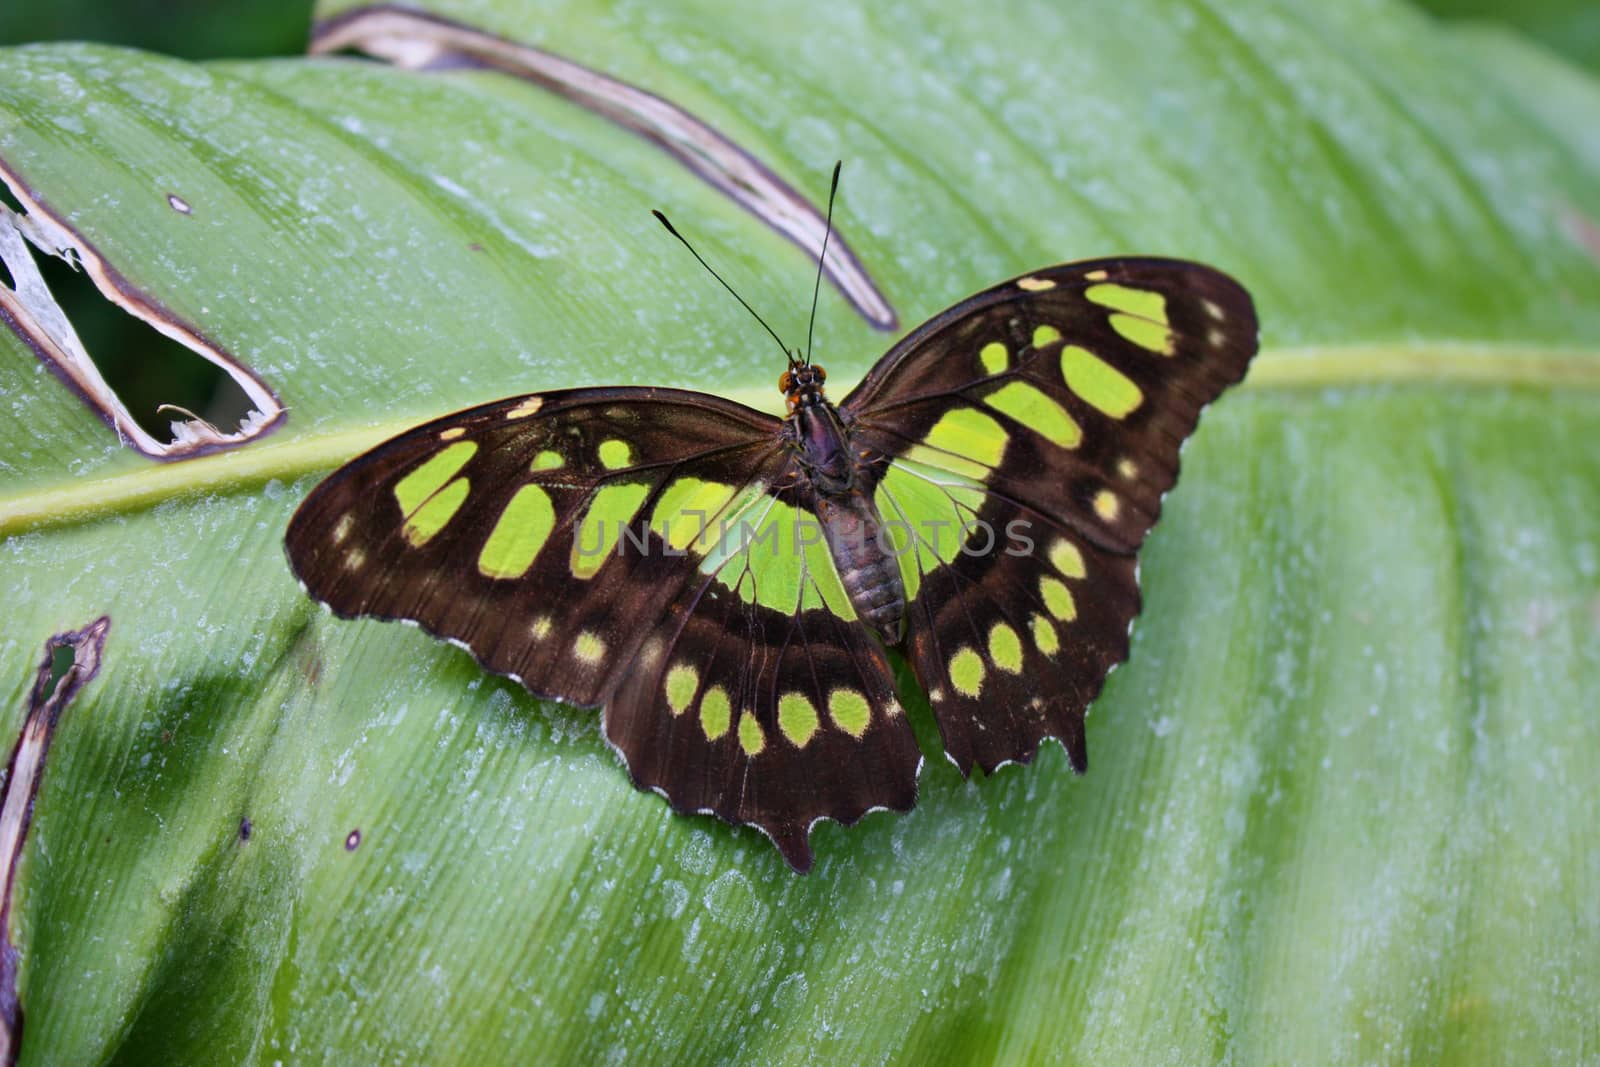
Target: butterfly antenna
x: 673, y: 230
x: 826, y: 233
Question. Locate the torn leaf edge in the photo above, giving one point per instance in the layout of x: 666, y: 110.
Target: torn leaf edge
x: 23, y: 776
x: 414, y: 40
x: 36, y: 318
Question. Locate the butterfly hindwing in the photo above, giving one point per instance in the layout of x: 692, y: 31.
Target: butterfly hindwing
x: 783, y: 709
x: 1022, y: 442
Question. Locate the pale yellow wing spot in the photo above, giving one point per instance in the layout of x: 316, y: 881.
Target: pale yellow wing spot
x: 716, y: 712
x: 518, y: 535
x: 342, y: 528
x: 1145, y: 303
x: 615, y: 453
x: 970, y: 433
x: 1045, y: 636
x: 1065, y: 557
x: 682, y: 681
x: 1030, y: 406
x: 1098, y: 383
x: 452, y: 433
x: 412, y: 491
x: 1148, y: 335
x: 540, y: 628
x: 1005, y: 648
x: 689, y: 511
x: 751, y: 737
x: 589, y: 647
x: 595, y: 540
x: 1140, y: 315
x: 426, y: 522
x: 966, y: 672
x: 529, y: 406
x: 797, y: 718
x: 1107, y: 506
x: 1057, y: 598
x: 994, y: 356
x: 850, y: 711
x: 1035, y: 285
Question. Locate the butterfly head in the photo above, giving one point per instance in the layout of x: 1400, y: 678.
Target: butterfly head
x: 801, y: 384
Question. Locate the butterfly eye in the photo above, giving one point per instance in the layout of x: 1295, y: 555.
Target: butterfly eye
x: 783, y: 382
x: 821, y: 374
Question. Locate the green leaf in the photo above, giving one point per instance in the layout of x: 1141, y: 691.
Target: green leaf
x: 1568, y: 27
x: 1343, y: 798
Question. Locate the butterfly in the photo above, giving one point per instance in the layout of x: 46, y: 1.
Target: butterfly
x: 725, y: 584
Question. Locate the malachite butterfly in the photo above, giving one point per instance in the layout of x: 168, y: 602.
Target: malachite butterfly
x: 724, y: 584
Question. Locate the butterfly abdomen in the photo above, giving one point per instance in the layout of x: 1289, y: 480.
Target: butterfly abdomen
x: 868, y: 571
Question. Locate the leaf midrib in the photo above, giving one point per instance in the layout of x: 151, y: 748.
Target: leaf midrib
x: 1306, y: 367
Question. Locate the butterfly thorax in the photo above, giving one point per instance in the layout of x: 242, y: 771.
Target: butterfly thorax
x: 841, y: 496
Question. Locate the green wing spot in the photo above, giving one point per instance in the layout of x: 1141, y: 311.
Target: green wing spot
x: 773, y: 556
x: 1145, y: 303
x: 902, y: 542
x: 1100, y: 384
x: 1144, y: 333
x: 924, y: 509
x: 517, y: 537
x: 1058, y: 599
x: 615, y: 453
x: 612, y: 508
x: 1030, y: 406
x: 1005, y: 648
x: 687, y: 510
x: 723, y: 538
x: 751, y: 737
x: 849, y: 711
x: 1044, y: 635
x: 945, y: 461
x: 416, y: 487
x: 1065, y: 557
x: 1044, y: 335
x: 547, y: 461
x: 994, y: 357
x: 770, y: 563
x: 966, y: 672
x: 682, y: 681
x: 970, y: 434
x: 432, y: 516
x: 824, y: 588
x: 715, y: 712
x: 797, y: 718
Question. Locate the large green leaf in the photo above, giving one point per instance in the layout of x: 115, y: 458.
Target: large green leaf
x: 1344, y: 802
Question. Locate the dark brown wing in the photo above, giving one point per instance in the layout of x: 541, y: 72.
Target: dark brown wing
x: 571, y: 540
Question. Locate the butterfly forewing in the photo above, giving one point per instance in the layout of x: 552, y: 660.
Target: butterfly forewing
x: 1035, y: 428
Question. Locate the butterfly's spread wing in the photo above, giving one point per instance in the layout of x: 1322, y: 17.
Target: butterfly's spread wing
x: 626, y: 548
x: 1023, y: 440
